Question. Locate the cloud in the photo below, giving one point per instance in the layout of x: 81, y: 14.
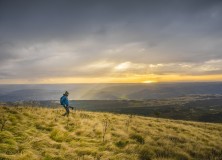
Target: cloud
x: 208, y: 67
x: 42, y: 39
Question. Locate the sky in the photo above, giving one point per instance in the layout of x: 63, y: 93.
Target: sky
x: 110, y: 41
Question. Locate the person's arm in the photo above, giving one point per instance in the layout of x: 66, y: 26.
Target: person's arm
x: 66, y: 102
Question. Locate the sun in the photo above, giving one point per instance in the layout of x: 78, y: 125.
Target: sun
x: 149, y: 81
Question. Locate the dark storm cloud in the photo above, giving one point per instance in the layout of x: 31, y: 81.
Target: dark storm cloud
x: 50, y: 36
x: 55, y: 19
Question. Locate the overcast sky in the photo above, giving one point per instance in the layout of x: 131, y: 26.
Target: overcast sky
x: 70, y: 41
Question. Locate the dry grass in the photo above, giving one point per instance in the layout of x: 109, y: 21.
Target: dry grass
x: 41, y: 133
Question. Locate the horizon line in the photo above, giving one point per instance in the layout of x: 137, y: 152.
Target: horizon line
x: 111, y: 83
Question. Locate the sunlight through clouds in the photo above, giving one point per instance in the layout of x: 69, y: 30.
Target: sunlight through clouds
x: 129, y: 66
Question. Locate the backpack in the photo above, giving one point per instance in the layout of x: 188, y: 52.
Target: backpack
x: 62, y: 100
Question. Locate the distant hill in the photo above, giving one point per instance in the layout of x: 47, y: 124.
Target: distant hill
x: 30, y: 94
x: 106, y: 91
x: 42, y: 133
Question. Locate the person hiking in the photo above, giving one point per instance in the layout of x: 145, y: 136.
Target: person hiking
x: 65, y: 103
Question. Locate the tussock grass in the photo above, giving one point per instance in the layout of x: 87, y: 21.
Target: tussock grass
x: 41, y: 133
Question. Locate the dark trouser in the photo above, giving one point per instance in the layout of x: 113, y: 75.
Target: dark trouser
x: 67, y: 110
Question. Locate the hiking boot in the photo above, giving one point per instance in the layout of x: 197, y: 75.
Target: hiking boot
x: 72, y: 108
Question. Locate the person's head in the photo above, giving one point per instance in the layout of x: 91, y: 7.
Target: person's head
x: 66, y: 93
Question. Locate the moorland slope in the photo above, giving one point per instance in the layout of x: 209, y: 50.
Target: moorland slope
x: 42, y: 133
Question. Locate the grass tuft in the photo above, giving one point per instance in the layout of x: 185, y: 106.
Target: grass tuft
x: 59, y: 135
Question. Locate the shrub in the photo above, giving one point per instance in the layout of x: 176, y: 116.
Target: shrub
x: 121, y: 144
x: 138, y: 138
x: 145, y: 153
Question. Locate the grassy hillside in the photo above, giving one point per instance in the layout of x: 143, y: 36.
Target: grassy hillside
x: 41, y: 133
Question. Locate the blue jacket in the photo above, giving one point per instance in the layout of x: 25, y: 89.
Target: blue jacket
x: 64, y: 100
